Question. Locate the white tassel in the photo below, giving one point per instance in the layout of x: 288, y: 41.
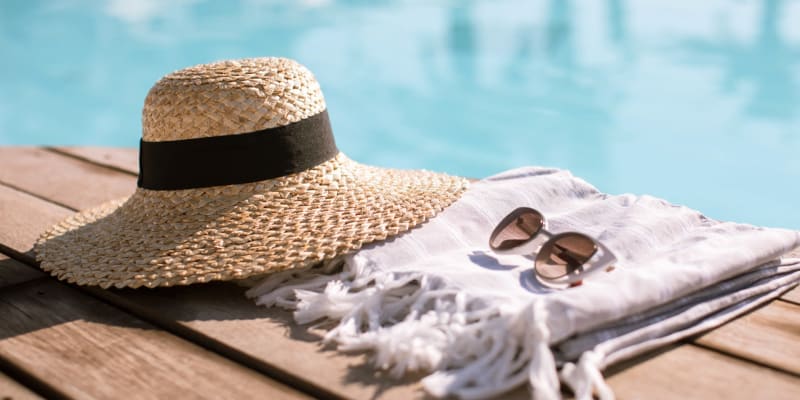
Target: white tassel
x: 413, y: 322
x: 515, y: 349
x: 585, y: 377
x: 542, y: 373
x: 274, y: 290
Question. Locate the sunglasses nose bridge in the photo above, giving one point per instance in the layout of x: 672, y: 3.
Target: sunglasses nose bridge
x: 532, y: 246
x: 535, y: 244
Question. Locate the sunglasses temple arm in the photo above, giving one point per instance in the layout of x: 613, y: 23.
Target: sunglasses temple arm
x: 606, y: 259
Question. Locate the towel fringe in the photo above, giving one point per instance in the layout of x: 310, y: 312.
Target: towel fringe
x: 585, y: 378
x: 416, y: 322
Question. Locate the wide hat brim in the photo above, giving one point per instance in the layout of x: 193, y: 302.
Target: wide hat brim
x: 165, y: 238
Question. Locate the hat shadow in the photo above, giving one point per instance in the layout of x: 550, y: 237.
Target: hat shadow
x: 245, y: 331
x: 34, y: 302
x: 217, y: 315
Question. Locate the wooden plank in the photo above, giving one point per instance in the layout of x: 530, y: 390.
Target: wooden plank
x: 690, y: 372
x: 792, y: 296
x: 122, y: 159
x: 11, y: 390
x: 23, y: 218
x: 219, y: 317
x: 13, y: 272
x: 770, y: 335
x: 84, y: 348
x: 46, y: 174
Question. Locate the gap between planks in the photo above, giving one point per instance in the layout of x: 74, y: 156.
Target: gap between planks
x: 674, y: 371
x: 23, y: 217
x: 16, y: 386
x: 188, y: 329
x: 124, y: 160
x: 270, y: 356
x: 16, y: 277
x: 55, y: 336
x: 46, y: 214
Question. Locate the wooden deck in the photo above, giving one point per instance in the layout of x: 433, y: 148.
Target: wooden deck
x: 208, y: 341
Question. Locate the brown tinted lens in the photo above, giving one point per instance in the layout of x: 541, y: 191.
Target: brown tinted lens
x: 563, y: 254
x: 516, y: 229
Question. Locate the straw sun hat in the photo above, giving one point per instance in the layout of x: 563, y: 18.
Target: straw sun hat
x: 239, y: 176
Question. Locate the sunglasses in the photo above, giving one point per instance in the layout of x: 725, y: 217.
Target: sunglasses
x: 562, y: 260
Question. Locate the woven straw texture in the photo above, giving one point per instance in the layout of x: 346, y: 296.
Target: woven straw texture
x: 165, y: 238
x: 230, y: 97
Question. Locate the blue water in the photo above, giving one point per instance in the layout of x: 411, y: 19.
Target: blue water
x: 697, y: 102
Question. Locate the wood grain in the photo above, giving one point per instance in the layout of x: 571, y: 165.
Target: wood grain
x: 47, y: 174
x: 23, y: 218
x: 13, y: 272
x: 219, y: 317
x: 260, y: 338
x: 11, y: 390
x: 690, y: 372
x: 121, y: 159
x: 770, y: 335
x: 792, y: 296
x: 84, y: 348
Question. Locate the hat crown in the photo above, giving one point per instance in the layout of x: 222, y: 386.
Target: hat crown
x: 230, y: 97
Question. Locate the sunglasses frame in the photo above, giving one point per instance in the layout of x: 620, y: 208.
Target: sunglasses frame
x: 600, y: 260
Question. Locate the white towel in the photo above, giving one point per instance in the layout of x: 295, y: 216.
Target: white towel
x: 437, y: 299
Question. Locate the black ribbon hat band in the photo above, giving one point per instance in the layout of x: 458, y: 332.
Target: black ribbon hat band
x: 236, y: 159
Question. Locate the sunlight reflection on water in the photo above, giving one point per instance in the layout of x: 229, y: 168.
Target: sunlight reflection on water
x: 695, y: 102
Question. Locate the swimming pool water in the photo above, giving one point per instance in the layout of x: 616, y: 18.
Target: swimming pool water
x: 694, y: 102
